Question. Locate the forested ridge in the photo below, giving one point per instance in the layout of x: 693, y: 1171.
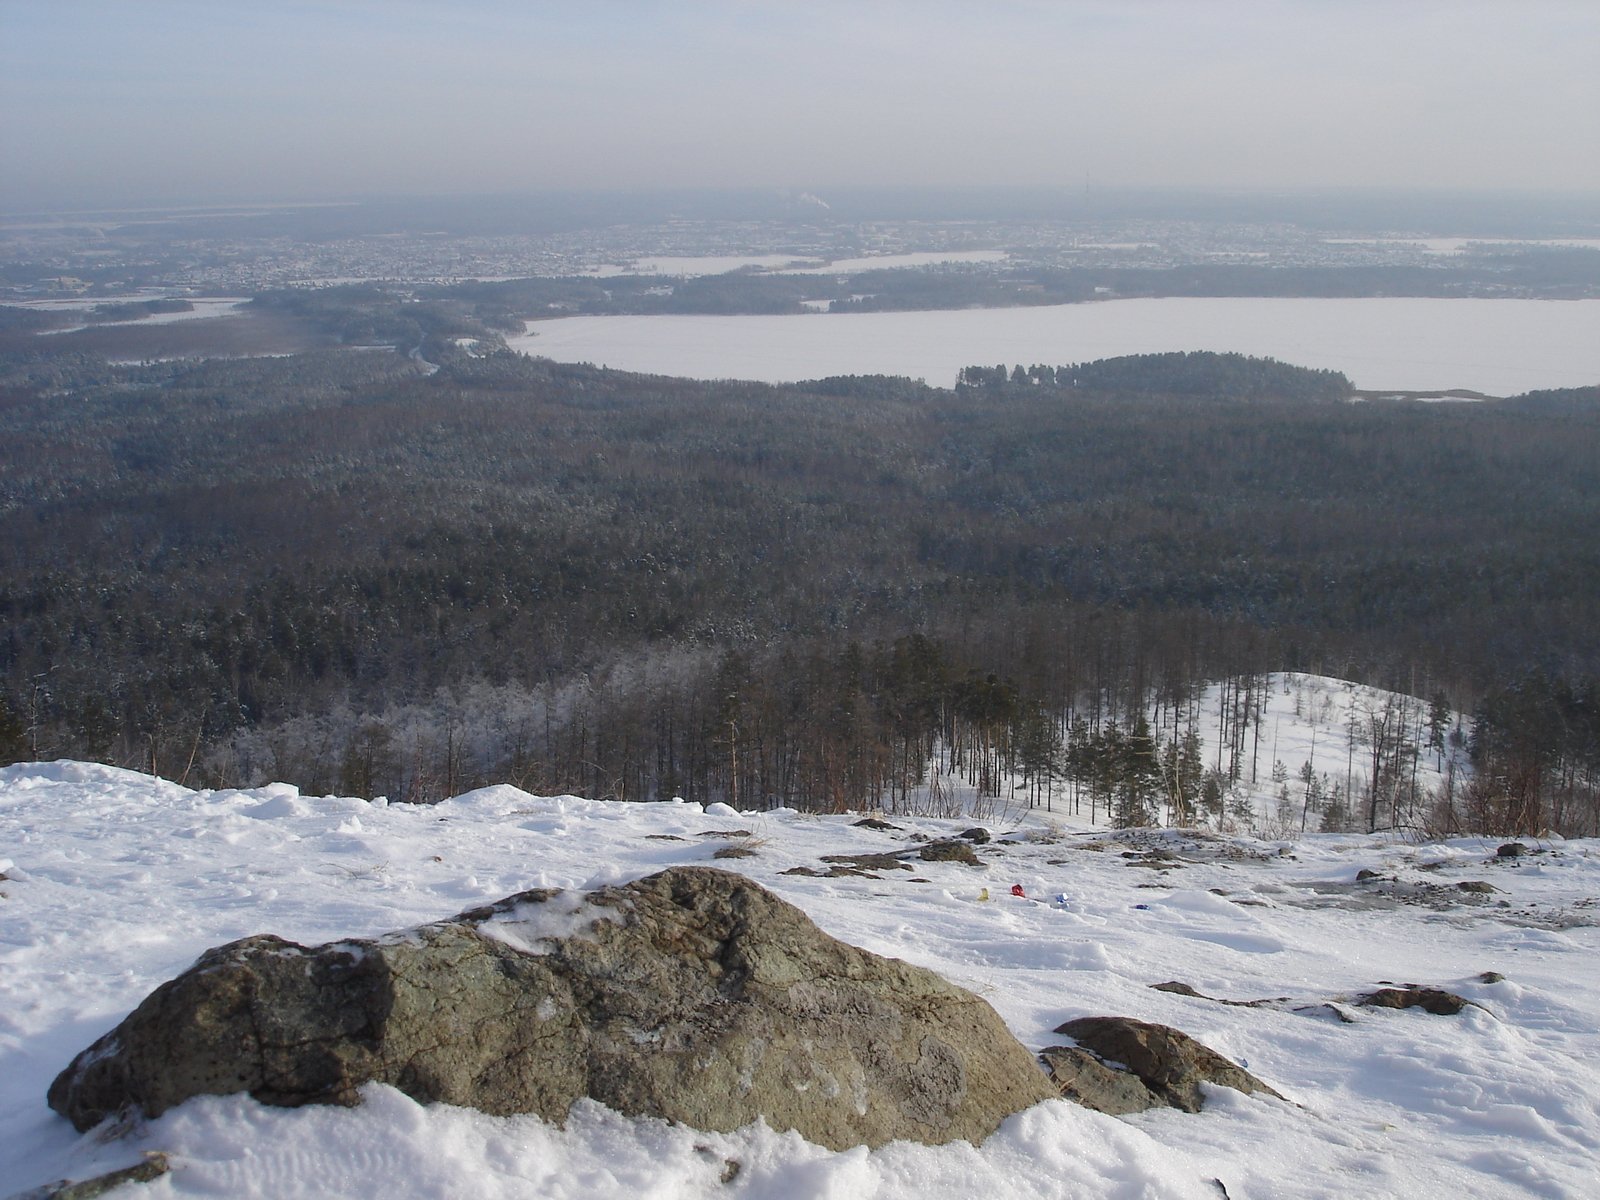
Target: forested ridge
x: 335, y: 570
x: 1541, y: 271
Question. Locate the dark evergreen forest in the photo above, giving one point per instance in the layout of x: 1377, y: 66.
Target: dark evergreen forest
x: 334, y: 569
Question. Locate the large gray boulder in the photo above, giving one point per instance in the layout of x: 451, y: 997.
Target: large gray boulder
x: 693, y: 995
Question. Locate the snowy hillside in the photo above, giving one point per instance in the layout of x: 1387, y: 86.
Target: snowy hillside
x: 1329, y: 737
x: 1294, y: 753
x: 114, y: 881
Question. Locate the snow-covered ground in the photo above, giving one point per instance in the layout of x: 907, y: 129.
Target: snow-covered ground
x: 203, y: 308
x: 116, y: 881
x: 1498, y: 347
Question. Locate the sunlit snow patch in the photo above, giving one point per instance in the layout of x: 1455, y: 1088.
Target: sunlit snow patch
x: 532, y: 926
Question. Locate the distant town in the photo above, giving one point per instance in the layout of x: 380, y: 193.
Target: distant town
x: 232, y: 252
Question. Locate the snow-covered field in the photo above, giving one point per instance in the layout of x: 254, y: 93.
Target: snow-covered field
x: 204, y: 308
x: 116, y: 881
x: 1498, y: 347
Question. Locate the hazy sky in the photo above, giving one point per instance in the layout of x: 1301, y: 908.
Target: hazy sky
x: 107, y: 101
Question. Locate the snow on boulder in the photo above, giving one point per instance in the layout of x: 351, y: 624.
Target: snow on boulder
x: 694, y: 995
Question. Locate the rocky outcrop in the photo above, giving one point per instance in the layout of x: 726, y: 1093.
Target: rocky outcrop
x: 693, y: 995
x: 1168, y: 1064
x: 952, y: 851
x: 1082, y: 1078
x: 1179, y: 988
x: 151, y: 1167
x: 1430, y: 999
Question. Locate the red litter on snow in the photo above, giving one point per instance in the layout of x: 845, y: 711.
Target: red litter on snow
x: 1016, y: 890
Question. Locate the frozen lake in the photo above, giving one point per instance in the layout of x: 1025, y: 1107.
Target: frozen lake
x: 1498, y: 347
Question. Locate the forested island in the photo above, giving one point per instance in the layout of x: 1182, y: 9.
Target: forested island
x: 358, y: 572
x: 1531, y: 272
